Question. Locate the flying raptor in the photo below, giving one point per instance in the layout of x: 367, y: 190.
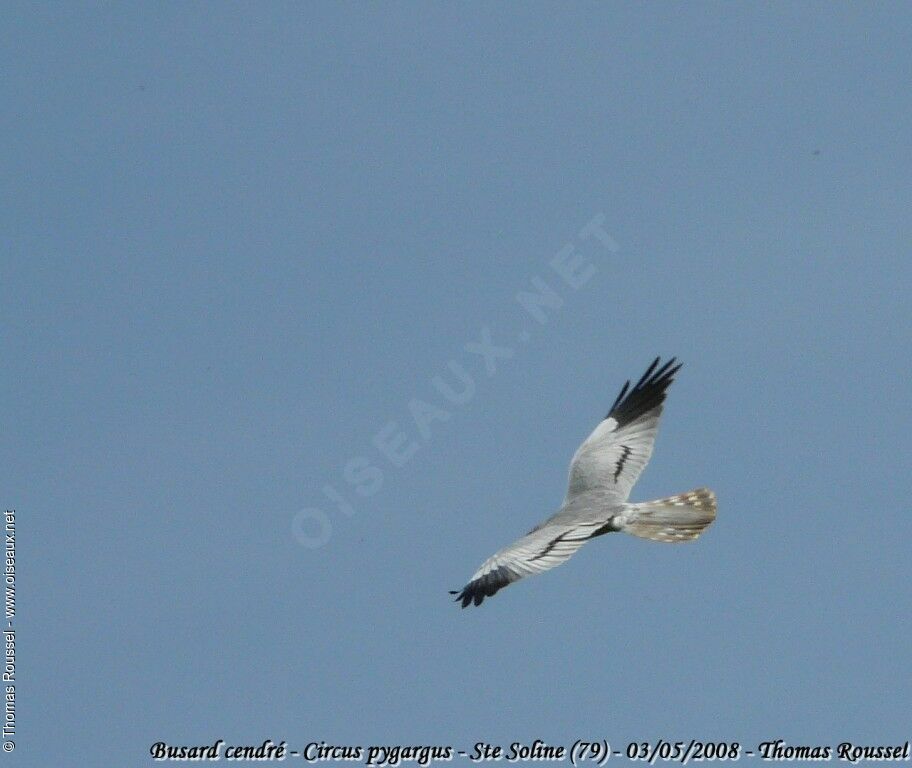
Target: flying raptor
x: 603, y: 471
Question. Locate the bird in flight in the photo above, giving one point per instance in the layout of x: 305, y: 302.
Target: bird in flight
x: 603, y: 471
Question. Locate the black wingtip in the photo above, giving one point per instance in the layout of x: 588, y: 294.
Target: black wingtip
x: 648, y: 373
x: 484, y: 586
x: 463, y: 595
x: 619, y: 397
x: 468, y: 595
x: 647, y: 394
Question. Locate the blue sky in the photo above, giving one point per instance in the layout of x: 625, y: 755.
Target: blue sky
x: 242, y: 240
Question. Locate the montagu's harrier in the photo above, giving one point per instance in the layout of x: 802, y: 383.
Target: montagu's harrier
x: 602, y: 473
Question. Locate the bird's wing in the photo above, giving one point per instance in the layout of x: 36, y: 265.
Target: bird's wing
x: 613, y: 456
x: 537, y: 551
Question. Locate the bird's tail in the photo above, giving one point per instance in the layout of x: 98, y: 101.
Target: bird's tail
x: 674, y: 519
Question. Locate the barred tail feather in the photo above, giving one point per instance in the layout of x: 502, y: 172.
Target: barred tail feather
x: 674, y: 519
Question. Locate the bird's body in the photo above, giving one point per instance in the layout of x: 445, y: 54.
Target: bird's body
x: 591, y: 506
x: 602, y: 474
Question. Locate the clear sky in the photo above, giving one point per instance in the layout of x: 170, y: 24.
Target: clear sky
x: 242, y: 240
